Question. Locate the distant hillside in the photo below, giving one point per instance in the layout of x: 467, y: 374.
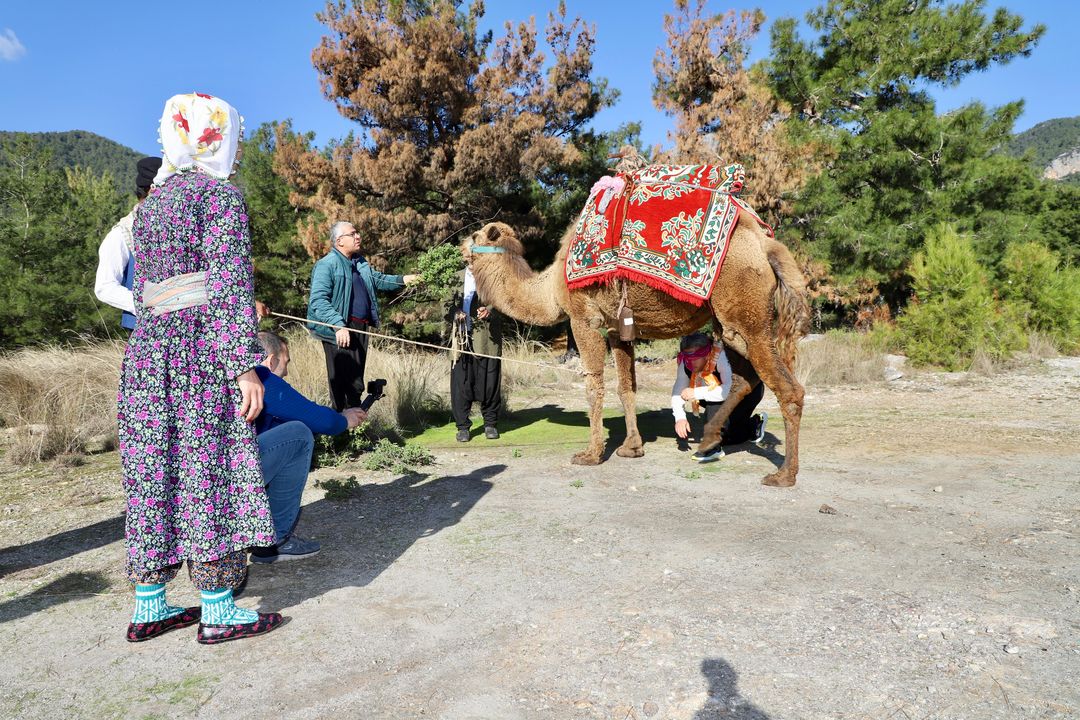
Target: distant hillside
x: 78, y: 147
x: 1048, y: 142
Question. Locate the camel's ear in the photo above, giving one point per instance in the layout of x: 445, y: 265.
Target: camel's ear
x: 492, y: 232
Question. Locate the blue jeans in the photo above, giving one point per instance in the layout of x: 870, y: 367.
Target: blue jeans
x: 285, y: 451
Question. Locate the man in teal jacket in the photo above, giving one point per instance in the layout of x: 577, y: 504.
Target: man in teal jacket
x: 343, y: 289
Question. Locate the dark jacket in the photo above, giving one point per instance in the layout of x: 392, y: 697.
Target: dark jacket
x: 331, y: 291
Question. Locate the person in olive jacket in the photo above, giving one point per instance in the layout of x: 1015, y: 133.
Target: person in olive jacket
x: 343, y: 289
x: 476, y: 328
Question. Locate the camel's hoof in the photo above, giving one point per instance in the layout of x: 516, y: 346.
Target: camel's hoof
x: 779, y: 479
x: 585, y: 458
x: 630, y: 452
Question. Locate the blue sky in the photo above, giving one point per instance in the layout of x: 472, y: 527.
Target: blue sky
x: 108, y: 66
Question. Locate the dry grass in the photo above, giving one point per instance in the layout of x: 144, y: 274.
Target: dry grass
x: 417, y: 388
x: 54, y: 401
x: 1039, y: 348
x: 1042, y: 347
x: 839, y: 358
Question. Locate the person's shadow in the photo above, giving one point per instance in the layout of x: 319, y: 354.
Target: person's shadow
x: 61, y: 545
x: 68, y: 586
x: 724, y: 702
x: 363, y: 535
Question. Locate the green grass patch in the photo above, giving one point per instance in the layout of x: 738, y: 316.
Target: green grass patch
x: 552, y: 427
x: 189, y: 691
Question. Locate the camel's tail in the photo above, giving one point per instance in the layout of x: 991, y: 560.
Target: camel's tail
x: 789, y: 298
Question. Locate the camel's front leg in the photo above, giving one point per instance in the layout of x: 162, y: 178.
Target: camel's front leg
x: 627, y: 379
x: 592, y: 347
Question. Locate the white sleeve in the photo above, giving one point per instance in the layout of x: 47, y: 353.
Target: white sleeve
x: 723, y: 368
x: 681, y: 383
x: 113, y: 256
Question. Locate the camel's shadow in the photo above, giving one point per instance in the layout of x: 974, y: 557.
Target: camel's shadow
x: 363, y: 536
x: 653, y: 426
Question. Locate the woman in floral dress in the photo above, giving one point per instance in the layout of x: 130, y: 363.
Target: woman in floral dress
x: 188, y: 391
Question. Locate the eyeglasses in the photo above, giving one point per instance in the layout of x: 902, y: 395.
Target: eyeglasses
x: 352, y: 234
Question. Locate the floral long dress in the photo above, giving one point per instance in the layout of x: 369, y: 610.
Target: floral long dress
x: 191, y: 465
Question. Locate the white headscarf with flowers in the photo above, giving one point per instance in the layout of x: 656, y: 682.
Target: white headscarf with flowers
x: 198, y: 131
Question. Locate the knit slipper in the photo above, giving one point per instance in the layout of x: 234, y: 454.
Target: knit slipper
x: 137, y: 632
x: 213, y: 634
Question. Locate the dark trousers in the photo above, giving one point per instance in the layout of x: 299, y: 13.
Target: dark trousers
x: 475, y: 379
x: 740, y: 426
x: 345, y: 369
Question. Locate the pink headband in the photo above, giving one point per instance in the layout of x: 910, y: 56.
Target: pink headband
x: 685, y: 356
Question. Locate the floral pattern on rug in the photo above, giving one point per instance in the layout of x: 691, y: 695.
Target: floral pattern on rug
x: 665, y: 225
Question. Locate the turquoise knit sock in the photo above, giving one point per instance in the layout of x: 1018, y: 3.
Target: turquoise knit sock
x: 219, y: 608
x: 150, y: 605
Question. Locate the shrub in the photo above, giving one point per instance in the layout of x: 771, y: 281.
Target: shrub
x: 1046, y: 298
x: 954, y: 315
x: 399, y: 458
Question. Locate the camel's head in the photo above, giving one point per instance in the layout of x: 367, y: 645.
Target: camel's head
x: 493, y: 238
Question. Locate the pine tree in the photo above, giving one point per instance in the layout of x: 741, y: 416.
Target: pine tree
x: 51, y: 224
x: 898, y: 168
x: 725, y: 112
x: 282, y: 267
x: 454, y: 127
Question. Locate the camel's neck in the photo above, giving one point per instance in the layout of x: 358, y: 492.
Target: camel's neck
x: 507, y: 284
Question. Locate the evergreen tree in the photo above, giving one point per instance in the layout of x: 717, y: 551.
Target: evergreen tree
x: 282, y: 267
x: 898, y: 168
x: 454, y: 126
x: 725, y: 112
x: 51, y: 224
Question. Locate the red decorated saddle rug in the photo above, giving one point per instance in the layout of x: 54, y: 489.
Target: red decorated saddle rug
x: 667, y: 226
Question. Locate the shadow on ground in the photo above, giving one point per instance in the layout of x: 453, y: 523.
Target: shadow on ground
x: 61, y: 545
x: 67, y: 587
x: 362, y: 536
x: 724, y: 700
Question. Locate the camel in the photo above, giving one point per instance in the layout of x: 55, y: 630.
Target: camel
x: 757, y: 305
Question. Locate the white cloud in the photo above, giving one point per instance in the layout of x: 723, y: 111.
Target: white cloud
x: 10, y: 47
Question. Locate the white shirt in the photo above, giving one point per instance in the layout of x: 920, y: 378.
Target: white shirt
x: 717, y: 394
x: 113, y: 257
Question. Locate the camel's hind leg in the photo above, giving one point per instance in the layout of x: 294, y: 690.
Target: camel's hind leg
x: 592, y: 347
x: 789, y: 394
x: 627, y: 379
x: 741, y: 386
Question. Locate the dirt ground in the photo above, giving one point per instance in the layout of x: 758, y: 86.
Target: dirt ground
x: 505, y: 583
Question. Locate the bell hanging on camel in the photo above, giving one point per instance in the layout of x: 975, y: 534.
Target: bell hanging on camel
x: 627, y: 330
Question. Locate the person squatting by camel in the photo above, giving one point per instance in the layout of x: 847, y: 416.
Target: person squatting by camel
x: 702, y: 380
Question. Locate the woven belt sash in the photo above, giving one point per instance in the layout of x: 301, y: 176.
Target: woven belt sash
x: 175, y: 293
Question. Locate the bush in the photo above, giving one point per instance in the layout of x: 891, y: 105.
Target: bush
x: 399, y: 458
x: 954, y: 316
x: 1046, y: 298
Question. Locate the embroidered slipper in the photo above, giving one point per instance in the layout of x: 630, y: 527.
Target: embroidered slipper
x: 213, y: 634
x: 138, y: 632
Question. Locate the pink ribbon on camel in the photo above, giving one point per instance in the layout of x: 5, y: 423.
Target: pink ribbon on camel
x: 610, y: 186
